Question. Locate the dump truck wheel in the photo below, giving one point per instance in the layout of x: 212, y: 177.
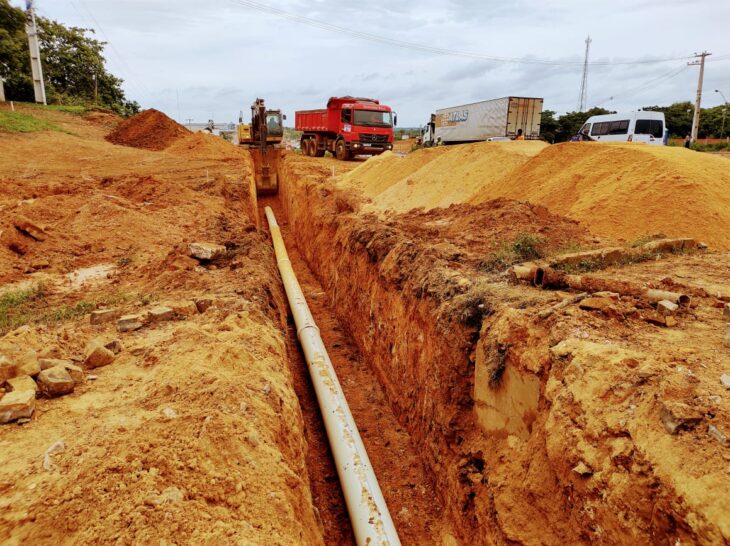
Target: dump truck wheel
x: 316, y: 151
x: 341, y: 151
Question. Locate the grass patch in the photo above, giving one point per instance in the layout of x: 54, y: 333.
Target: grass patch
x: 525, y: 247
x: 30, y: 306
x: 75, y: 109
x: 18, y: 122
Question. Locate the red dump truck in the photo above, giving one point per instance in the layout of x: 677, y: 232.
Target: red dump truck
x: 349, y: 126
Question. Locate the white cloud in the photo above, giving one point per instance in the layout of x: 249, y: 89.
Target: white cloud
x: 195, y: 59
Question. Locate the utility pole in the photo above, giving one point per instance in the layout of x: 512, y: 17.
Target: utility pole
x: 35, y: 53
x: 698, y: 100
x: 2, y: 89
x: 583, y: 98
x: 96, y: 87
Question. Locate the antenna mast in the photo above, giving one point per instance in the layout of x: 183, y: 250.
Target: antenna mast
x: 583, y: 98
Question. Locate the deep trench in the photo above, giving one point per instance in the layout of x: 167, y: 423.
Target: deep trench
x: 408, y: 487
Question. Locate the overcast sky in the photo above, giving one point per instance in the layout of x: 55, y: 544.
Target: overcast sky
x: 205, y: 59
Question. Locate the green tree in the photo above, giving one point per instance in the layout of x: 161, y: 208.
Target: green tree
x: 678, y: 117
x: 72, y: 58
x: 548, y: 125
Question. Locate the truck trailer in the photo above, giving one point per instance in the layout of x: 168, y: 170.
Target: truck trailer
x: 496, y: 118
x: 349, y: 126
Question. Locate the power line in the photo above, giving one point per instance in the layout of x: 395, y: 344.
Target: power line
x: 647, y: 84
x: 430, y: 49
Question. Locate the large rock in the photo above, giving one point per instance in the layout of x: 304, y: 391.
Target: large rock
x: 129, y: 323
x: 183, y: 309
x: 30, y: 228
x: 27, y: 363
x: 97, y: 355
x: 161, y: 313
x: 102, y: 316
x: 8, y: 368
x: 76, y: 373
x: 17, y: 405
x: 22, y: 383
x: 678, y: 416
x: 55, y: 381
x: 206, y: 251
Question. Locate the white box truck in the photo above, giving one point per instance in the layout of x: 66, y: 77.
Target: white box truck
x: 497, y: 119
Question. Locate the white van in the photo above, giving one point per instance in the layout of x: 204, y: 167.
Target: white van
x: 648, y: 127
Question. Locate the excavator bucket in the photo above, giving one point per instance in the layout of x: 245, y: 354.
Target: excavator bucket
x: 265, y: 170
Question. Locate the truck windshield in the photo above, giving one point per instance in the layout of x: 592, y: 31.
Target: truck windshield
x: 373, y: 118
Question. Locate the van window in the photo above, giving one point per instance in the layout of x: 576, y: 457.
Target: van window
x: 600, y: 128
x: 585, y: 129
x: 653, y: 127
x: 619, y: 127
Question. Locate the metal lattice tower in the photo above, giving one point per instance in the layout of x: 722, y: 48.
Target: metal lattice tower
x: 35, y: 53
x: 583, y: 98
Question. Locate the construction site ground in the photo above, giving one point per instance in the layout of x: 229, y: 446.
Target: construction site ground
x: 494, y: 411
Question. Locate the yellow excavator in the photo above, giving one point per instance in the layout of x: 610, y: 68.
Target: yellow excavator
x: 263, y: 138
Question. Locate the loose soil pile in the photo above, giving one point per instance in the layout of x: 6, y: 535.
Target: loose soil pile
x: 439, y: 177
x: 626, y: 191
x: 151, y: 130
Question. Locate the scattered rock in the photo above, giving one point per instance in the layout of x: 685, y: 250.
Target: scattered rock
x: 97, y: 355
x: 183, y: 309
x: 161, y: 313
x: 725, y: 380
x: 27, y: 364
x: 76, y: 373
x: 22, y: 383
x: 582, y: 469
x: 52, y: 351
x: 102, y: 316
x: 169, y: 413
x: 129, y: 323
x: 203, y: 304
x: 173, y: 495
x: 718, y: 435
x: 55, y: 381
x: 17, y: 405
x: 8, y: 369
x: 30, y: 228
x: 56, y: 447
x: 666, y: 308
x: 35, y: 265
x: 51, y: 362
x: 206, y: 251
x: 595, y: 304
x: 678, y: 416
x: 670, y: 321
x: 115, y: 346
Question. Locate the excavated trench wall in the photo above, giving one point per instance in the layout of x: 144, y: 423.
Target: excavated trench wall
x: 398, y: 334
x: 519, y: 449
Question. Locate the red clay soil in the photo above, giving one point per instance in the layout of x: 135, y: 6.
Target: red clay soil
x: 150, y: 129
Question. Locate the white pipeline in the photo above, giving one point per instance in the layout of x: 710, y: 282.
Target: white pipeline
x: 371, y: 521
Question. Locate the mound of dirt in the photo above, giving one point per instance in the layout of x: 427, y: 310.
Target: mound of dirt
x: 626, y: 191
x: 205, y: 145
x: 151, y: 130
x: 438, y: 177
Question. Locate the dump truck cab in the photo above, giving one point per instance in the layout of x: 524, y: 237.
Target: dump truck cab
x: 348, y: 126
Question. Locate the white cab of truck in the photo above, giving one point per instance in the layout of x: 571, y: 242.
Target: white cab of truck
x: 647, y: 127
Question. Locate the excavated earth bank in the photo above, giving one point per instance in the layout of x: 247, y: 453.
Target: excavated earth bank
x: 539, y: 426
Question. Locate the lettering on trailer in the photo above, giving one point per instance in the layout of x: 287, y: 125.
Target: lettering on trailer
x: 449, y: 119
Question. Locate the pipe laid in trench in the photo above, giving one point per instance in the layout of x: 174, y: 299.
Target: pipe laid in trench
x: 369, y: 515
